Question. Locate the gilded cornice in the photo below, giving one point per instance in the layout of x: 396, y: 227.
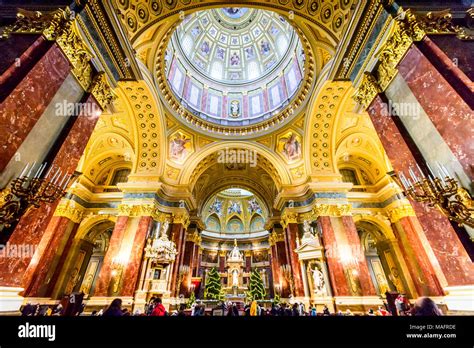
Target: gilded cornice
x: 275, y: 237
x: 397, y: 213
x: 194, y: 237
x: 59, y: 26
x: 289, y: 217
x: 70, y: 209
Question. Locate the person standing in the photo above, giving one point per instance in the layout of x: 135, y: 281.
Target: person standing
x: 159, y: 310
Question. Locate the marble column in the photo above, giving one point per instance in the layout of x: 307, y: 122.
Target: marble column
x: 32, y: 227
x: 132, y: 269
x: 420, y: 268
x: 222, y: 256
x: 24, y: 105
x: 281, y: 252
x: 105, y: 275
x: 188, y: 261
x: 275, y: 264
x: 432, y: 229
x: 291, y: 237
x: 339, y: 283
x: 447, y: 110
x: 248, y: 260
x: 177, y: 235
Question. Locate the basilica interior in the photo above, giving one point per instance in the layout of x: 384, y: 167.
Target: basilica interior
x: 322, y: 146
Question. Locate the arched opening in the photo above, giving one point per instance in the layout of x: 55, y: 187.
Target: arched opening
x: 382, y: 260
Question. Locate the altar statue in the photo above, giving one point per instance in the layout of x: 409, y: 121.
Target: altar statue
x: 235, y: 278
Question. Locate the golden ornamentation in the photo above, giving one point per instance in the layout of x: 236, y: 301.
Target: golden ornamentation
x: 335, y: 210
x: 59, y: 26
x: 138, y: 210
x: 71, y: 210
x: 275, y: 237
x: 297, y: 102
x: 9, y: 208
x: 368, y: 90
x: 400, y: 212
x: 101, y: 90
x: 289, y: 217
x: 441, y: 192
x: 181, y: 218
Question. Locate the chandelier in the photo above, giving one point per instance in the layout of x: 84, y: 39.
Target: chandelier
x: 29, y: 190
x: 161, y: 250
x: 439, y: 191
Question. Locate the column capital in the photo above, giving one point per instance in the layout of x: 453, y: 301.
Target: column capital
x: 247, y: 253
x: 397, y: 213
x: 70, y: 209
x: 60, y: 26
x: 144, y: 209
x: 275, y: 237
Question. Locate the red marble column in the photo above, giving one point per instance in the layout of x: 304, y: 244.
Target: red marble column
x: 196, y: 261
x: 337, y: 277
x: 25, y: 104
x: 292, y: 235
x: 177, y: 233
x: 188, y: 261
x: 32, y: 226
x: 221, y: 262
x: 59, y: 233
x: 275, y: 264
x: 281, y: 252
x: 105, y: 275
x: 449, y: 112
x: 132, y: 271
x: 352, y: 236
x: 420, y: 268
x: 248, y: 263
x: 442, y: 238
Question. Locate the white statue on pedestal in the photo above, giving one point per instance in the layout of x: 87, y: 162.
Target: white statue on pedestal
x: 235, y: 277
x: 318, y: 281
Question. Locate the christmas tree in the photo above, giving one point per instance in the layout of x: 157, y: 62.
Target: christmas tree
x: 191, y: 300
x: 213, y: 288
x: 256, y: 288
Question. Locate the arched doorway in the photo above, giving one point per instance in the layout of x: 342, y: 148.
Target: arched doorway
x: 85, y: 260
x: 382, y: 260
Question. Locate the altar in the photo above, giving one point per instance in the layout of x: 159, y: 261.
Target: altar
x: 235, y: 291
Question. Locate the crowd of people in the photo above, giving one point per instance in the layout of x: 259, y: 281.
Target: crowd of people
x: 424, y: 306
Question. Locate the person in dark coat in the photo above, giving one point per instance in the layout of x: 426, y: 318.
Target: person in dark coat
x: 115, y: 309
x: 181, y: 313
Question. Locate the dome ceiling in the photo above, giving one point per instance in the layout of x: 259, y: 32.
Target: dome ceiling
x: 234, y: 213
x: 234, y: 66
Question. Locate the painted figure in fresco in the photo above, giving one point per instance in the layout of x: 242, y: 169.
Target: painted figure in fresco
x: 250, y: 53
x: 235, y: 108
x: 292, y: 147
x: 235, y: 59
x: 216, y: 207
x: 264, y: 47
x: 196, y: 31
x: 234, y: 207
x: 254, y: 207
x: 205, y: 48
x: 220, y: 53
x: 178, y: 147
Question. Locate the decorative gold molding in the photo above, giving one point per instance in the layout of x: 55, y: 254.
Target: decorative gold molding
x: 275, y: 237
x: 181, y: 218
x: 101, y: 90
x: 289, y: 217
x: 71, y: 210
x: 335, y: 210
x: 59, y: 26
x: 138, y: 210
x: 368, y: 90
x: 400, y: 212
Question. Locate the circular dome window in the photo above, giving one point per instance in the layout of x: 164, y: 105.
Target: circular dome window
x: 234, y: 67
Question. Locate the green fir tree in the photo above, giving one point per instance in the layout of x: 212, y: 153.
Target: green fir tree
x: 191, y: 300
x: 256, y: 288
x: 213, y: 287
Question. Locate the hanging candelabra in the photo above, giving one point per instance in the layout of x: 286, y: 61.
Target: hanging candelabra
x: 439, y: 190
x: 30, y: 189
